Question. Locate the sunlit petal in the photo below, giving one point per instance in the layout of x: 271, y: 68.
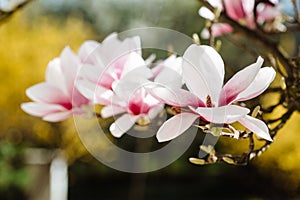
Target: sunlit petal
x: 203, y: 71
x: 175, y: 126
x: 224, y: 114
x: 239, y: 82
x: 256, y: 126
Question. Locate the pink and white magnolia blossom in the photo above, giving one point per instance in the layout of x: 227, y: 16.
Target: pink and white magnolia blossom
x: 208, y: 99
x: 137, y: 105
x: 107, y: 63
x: 241, y: 11
x: 132, y: 98
x: 56, y: 99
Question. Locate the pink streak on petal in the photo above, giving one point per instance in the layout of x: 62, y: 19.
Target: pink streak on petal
x: 261, y: 82
x: 239, y: 82
x: 175, y: 126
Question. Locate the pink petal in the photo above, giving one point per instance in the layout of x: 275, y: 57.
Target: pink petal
x: 261, y: 82
x: 123, y: 124
x: 239, y: 82
x: 256, y: 126
x: 46, y: 93
x: 41, y: 109
x: 203, y: 71
x: 78, y: 99
x: 111, y: 110
x: 224, y: 114
x: 57, y: 117
x: 234, y: 9
x: 175, y: 126
x: 176, y: 97
x: 218, y: 29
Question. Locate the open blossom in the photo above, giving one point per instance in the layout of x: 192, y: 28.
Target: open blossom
x: 242, y: 11
x: 208, y: 99
x: 136, y: 105
x: 132, y: 99
x: 107, y: 63
x: 57, y: 99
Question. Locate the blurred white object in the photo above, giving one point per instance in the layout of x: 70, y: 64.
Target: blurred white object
x: 59, y: 178
x: 10, y: 5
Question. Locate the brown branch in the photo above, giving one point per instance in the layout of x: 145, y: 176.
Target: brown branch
x: 257, y: 36
x: 5, y: 15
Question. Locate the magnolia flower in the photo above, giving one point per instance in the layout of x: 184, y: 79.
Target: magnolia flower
x: 241, y: 11
x: 57, y: 99
x: 208, y: 99
x: 138, y: 105
x: 131, y: 96
x: 107, y: 63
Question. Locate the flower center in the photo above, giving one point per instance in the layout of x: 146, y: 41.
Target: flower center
x: 209, y: 102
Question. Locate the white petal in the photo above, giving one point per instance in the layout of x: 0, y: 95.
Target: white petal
x: 169, y: 72
x: 169, y: 78
x: 55, y: 76
x: 41, y: 109
x: 122, y: 124
x: 44, y: 92
x: 153, y: 112
x: 203, y: 71
x: 91, y: 72
x: 256, y: 126
x: 224, y: 114
x: 111, y: 110
x: 239, y: 82
x: 57, y: 117
x: 261, y: 82
x: 70, y: 66
x: 94, y: 92
x: 136, y: 65
x: 86, y: 49
x: 175, y: 126
x: 176, y: 97
x: 128, y: 85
